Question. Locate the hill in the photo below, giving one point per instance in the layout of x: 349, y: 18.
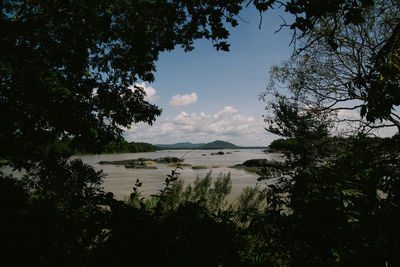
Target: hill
x: 182, y: 145
x: 218, y: 144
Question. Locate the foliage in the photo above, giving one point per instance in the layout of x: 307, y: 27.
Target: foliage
x: 67, y: 68
x: 212, y: 198
x: 292, y: 120
x: 332, y: 145
x: 309, y: 13
x: 127, y: 147
x: 306, y: 125
x: 283, y: 144
x: 334, y: 214
x: 186, y: 226
x: 351, y: 77
x: 249, y: 204
x: 66, y: 71
x: 56, y: 219
x: 324, y: 208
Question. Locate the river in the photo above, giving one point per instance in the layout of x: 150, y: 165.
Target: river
x: 120, y: 180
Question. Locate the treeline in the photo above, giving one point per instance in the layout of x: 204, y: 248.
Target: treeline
x: 112, y: 147
x: 330, y: 144
x: 129, y: 147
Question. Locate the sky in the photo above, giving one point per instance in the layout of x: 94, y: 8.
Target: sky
x: 209, y: 95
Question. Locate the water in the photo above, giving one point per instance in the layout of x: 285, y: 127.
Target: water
x: 120, y: 180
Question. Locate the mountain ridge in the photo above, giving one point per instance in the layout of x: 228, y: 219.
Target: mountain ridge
x: 217, y: 144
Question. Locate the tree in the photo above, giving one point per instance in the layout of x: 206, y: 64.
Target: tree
x: 328, y: 209
x: 322, y: 212
x: 307, y: 127
x: 336, y: 212
x: 66, y: 67
x: 309, y: 13
x: 346, y: 77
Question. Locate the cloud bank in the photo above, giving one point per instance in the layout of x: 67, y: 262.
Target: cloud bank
x: 225, y: 124
x: 183, y: 100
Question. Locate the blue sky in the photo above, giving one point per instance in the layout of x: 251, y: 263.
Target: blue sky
x: 208, y: 95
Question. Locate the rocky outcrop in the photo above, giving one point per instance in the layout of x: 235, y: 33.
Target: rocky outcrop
x: 126, y: 161
x: 139, y: 165
x: 199, y: 167
x: 167, y: 160
x: 269, y: 151
x: 183, y: 165
x: 142, y: 163
x: 258, y: 164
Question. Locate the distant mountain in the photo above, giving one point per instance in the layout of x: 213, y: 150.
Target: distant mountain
x: 218, y: 144
x: 183, y: 145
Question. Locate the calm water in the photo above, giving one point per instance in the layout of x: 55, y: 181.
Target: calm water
x: 120, y: 180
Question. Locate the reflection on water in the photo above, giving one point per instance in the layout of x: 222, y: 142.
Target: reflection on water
x: 120, y: 180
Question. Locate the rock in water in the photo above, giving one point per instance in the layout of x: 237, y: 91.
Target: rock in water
x: 199, y: 167
x: 166, y: 160
x: 261, y: 163
x: 258, y: 164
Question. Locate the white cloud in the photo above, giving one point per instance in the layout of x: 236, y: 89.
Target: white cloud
x: 151, y: 93
x: 225, y: 124
x: 183, y: 100
x: 227, y: 111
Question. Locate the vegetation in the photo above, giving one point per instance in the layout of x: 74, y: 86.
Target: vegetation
x: 332, y: 145
x: 130, y: 147
x: 66, y: 68
x: 334, y: 192
x: 218, y: 144
x: 341, y: 80
x: 334, y: 212
x: 68, y: 71
x: 125, y: 147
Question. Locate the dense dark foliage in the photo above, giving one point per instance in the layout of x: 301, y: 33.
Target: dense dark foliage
x: 126, y: 147
x: 54, y: 217
x: 331, y: 145
x: 361, y: 75
x: 67, y: 66
x: 340, y: 212
x: 328, y: 205
x: 65, y: 72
